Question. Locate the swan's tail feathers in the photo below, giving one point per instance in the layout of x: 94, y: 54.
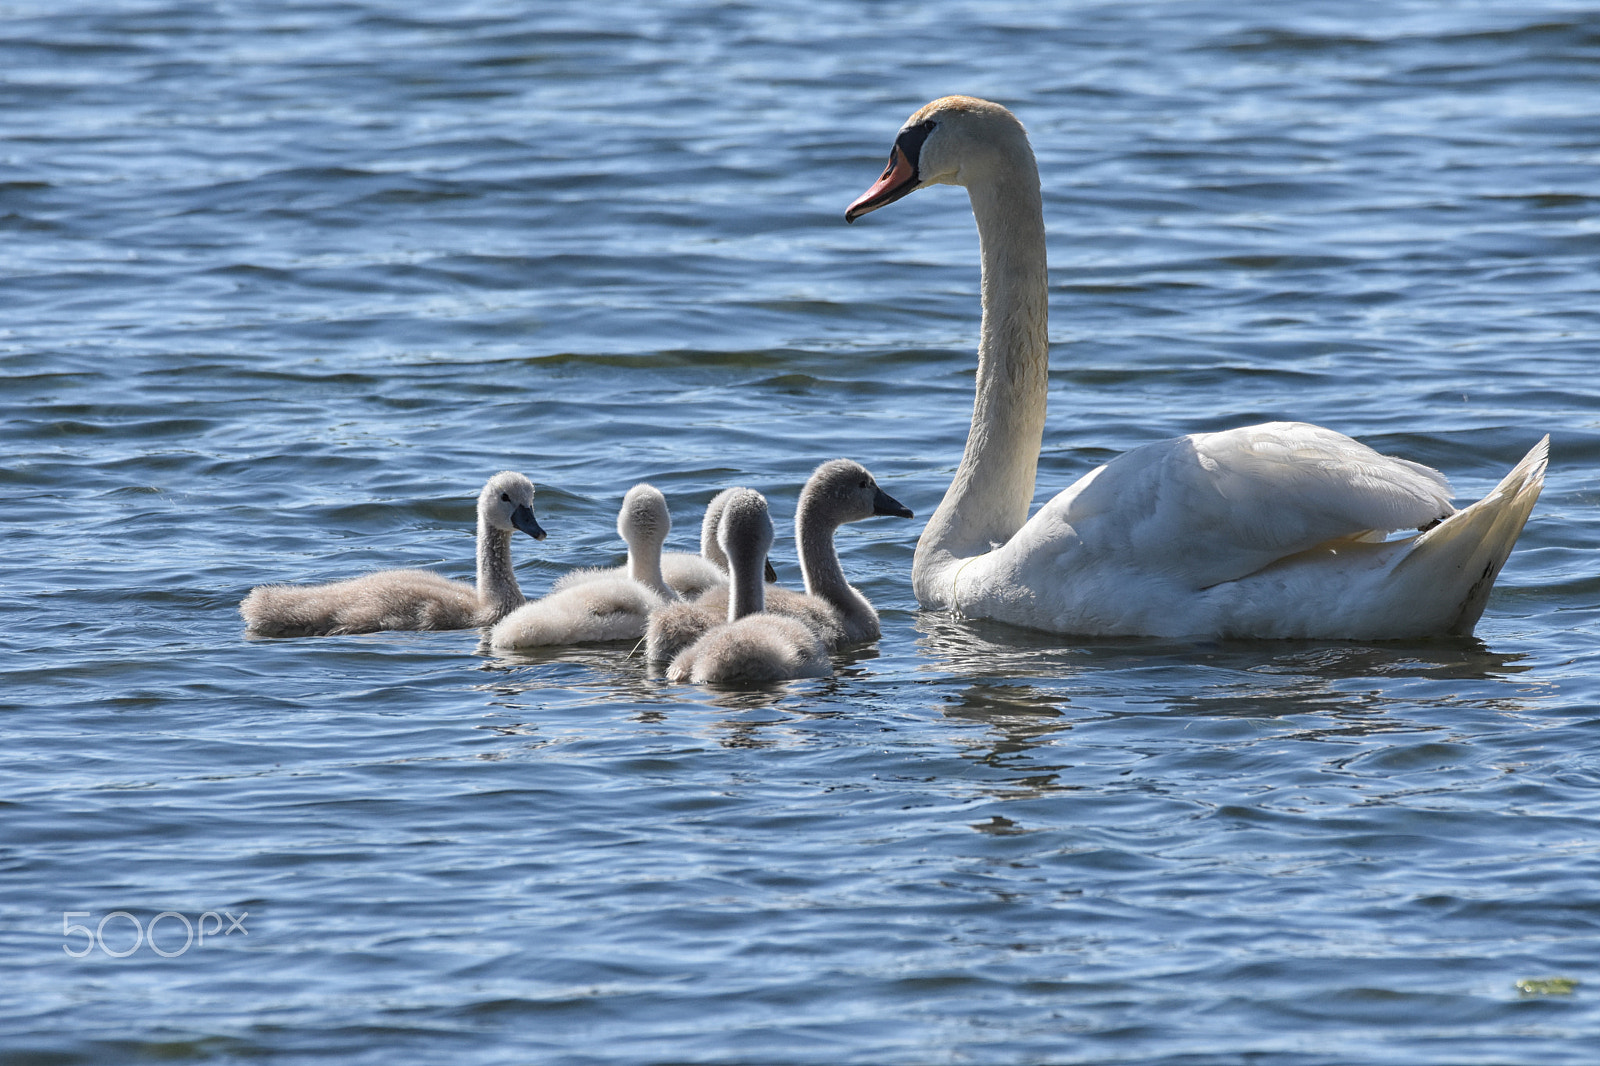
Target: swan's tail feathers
x: 1455, y: 563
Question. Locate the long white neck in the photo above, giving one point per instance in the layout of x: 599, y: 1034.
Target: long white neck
x: 988, y: 500
x: 819, y: 561
x: 498, y: 591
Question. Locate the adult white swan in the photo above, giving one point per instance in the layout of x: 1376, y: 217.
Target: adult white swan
x: 1275, y: 530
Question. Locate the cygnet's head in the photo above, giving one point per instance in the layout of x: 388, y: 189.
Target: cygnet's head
x: 710, y: 550
x: 506, y: 503
x: 644, y: 521
x: 956, y: 140
x: 842, y: 490
x: 746, y: 530
x: 711, y: 525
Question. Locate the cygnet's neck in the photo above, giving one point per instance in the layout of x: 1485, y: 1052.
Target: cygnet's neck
x: 644, y: 566
x: 814, y: 527
x: 988, y: 499
x: 498, y: 591
x: 747, y: 591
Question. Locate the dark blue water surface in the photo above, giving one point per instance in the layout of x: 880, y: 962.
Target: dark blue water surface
x: 283, y: 283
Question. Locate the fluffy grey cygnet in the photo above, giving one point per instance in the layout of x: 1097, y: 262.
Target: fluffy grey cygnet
x: 409, y: 599
x: 752, y: 646
x: 607, y: 606
x: 837, y: 492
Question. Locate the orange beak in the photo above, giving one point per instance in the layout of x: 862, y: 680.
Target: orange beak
x: 899, y: 178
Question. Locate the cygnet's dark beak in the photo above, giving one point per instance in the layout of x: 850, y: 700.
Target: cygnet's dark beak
x: 772, y: 575
x: 885, y: 504
x: 523, y: 519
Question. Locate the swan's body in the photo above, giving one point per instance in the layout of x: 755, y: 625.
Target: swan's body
x: 409, y: 599
x: 752, y: 646
x: 837, y: 492
x: 605, y: 607
x: 675, y: 626
x: 1273, y: 530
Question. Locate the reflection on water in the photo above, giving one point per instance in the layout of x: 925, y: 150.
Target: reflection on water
x: 610, y: 676
x: 1465, y: 659
x: 1021, y: 715
x: 980, y: 646
x: 1028, y: 690
x: 1059, y: 716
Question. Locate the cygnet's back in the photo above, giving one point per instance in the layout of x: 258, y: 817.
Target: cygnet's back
x: 603, y: 607
x: 752, y: 646
x: 409, y: 599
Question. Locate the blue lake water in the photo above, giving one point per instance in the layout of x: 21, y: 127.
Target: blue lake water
x: 284, y: 283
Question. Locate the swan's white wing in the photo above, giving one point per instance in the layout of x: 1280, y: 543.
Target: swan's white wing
x: 1214, y: 507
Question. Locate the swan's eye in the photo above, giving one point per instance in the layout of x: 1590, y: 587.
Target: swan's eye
x: 505, y: 497
x: 910, y: 140
x: 862, y: 485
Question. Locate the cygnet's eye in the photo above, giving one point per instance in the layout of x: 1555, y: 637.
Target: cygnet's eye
x: 862, y: 485
x: 505, y: 497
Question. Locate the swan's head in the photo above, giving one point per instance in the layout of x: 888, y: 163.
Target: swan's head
x: 644, y: 520
x: 842, y: 490
x: 506, y: 503
x: 956, y: 140
x: 745, y: 532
